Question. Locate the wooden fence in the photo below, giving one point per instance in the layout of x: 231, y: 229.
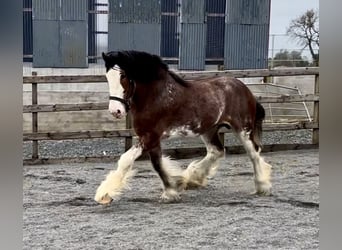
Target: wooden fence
x: 128, y: 133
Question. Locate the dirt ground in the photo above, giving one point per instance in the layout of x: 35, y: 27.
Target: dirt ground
x: 60, y: 213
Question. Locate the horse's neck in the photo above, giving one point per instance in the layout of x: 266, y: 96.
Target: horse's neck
x: 163, y: 93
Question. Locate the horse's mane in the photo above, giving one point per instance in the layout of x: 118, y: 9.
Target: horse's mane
x: 142, y: 66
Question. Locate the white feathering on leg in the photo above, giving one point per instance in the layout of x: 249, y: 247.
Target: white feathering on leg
x: 174, y: 172
x: 116, y: 181
x: 114, y: 184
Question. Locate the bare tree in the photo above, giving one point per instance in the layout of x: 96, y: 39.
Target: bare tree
x: 305, y: 29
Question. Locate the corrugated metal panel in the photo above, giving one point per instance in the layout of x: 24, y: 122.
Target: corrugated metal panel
x: 216, y: 6
x: 46, y: 43
x: 73, y: 10
x: 139, y: 28
x: 215, y: 37
x: 147, y: 11
x: 121, y: 11
x: 147, y: 37
x: 27, y: 30
x: 192, y: 11
x: 246, y: 34
x: 169, y: 6
x: 73, y: 44
x: 169, y: 36
x: 246, y: 46
x: 248, y: 12
x: 169, y: 28
x: 193, y: 35
x: 92, y: 50
x: 58, y: 42
x: 215, y: 29
x: 192, y: 46
x: 46, y: 9
x: 120, y: 36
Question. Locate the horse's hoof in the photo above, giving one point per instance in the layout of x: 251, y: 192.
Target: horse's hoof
x: 196, y: 184
x: 104, y: 200
x: 264, y: 189
x: 264, y: 193
x: 170, y: 195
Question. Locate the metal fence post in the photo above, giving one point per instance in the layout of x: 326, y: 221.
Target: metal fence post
x: 34, y: 118
x: 315, y: 131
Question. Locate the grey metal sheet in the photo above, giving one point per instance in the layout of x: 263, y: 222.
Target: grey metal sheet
x: 135, y: 24
x: 73, y: 44
x: 45, y: 10
x: 192, y: 11
x: 147, y: 11
x: 58, y: 43
x: 193, y: 29
x: 121, y: 11
x: 120, y: 36
x: 246, y: 34
x: 74, y: 10
x: 247, y: 11
x: 246, y: 46
x: 145, y: 37
x: 45, y: 44
x: 192, y: 46
x: 169, y: 36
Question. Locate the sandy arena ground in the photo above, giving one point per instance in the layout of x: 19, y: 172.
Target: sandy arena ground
x: 60, y: 213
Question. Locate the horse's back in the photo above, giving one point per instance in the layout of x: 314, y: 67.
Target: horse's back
x: 231, y: 87
x: 232, y: 98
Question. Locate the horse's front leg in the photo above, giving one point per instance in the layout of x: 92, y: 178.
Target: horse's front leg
x: 117, y: 180
x: 170, y: 174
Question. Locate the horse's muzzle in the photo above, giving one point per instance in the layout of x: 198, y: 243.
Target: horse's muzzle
x: 117, y: 109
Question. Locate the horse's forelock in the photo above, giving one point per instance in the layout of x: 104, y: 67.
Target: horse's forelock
x: 138, y: 65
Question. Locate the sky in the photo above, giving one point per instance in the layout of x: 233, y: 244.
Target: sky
x: 282, y: 12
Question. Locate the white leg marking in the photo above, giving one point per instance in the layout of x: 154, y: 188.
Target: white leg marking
x: 176, y: 178
x: 170, y: 195
x: 197, y: 172
x: 117, y: 180
x: 262, y: 170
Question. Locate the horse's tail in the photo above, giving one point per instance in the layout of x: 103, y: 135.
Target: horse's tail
x: 259, y: 117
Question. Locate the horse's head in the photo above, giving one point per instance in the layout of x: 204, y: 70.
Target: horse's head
x: 117, y: 104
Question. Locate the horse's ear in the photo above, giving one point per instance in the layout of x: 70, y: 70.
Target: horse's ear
x: 104, y: 56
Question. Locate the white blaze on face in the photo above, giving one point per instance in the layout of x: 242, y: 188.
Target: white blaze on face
x: 116, y: 108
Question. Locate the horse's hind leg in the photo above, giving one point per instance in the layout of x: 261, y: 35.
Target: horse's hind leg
x: 198, y: 171
x: 262, y: 170
x: 170, y: 174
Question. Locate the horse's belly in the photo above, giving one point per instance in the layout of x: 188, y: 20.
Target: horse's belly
x: 182, y: 131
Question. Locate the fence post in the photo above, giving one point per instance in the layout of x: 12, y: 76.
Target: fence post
x: 34, y: 93
x: 128, y: 140
x: 315, y: 131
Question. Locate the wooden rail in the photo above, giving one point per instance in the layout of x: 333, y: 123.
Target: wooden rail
x: 104, y: 105
x: 190, y: 75
x: 128, y: 133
